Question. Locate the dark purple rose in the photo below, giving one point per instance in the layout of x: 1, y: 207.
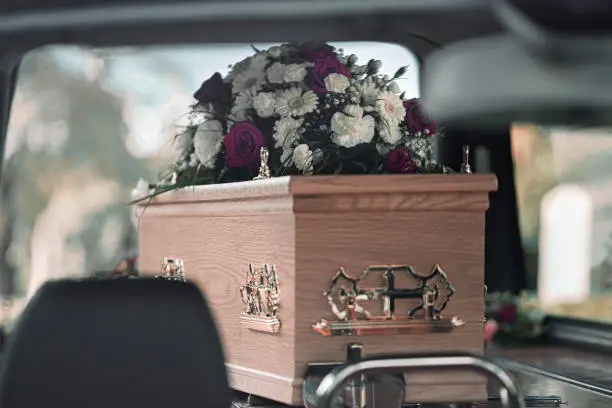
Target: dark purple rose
x: 213, y: 90
x: 507, y: 314
x: 399, y: 160
x: 242, y: 145
x: 313, y: 51
x: 415, y: 120
x: 322, y: 68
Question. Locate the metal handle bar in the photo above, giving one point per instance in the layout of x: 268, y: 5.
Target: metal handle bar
x: 511, y: 396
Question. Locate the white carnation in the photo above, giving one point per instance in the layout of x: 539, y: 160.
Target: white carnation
x: 207, y: 142
x: 336, y: 83
x: 287, y: 131
x: 265, y: 104
x: 193, y: 160
x: 302, y: 158
x: 352, y: 127
x: 394, y: 87
x: 370, y: 94
x: 141, y: 190
x: 276, y: 73
x: 184, y: 140
x: 287, y: 156
x: 275, y: 52
x: 294, y: 73
x: 384, y: 149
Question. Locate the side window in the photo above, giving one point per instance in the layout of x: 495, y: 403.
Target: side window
x: 85, y: 125
x: 564, y: 188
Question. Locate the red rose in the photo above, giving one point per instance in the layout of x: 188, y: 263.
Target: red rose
x: 399, y: 160
x: 322, y: 68
x: 242, y: 145
x: 507, y: 314
x: 213, y: 90
x: 312, y: 51
x: 414, y: 119
x: 490, y: 329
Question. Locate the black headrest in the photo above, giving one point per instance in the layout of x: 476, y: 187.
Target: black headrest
x: 114, y: 344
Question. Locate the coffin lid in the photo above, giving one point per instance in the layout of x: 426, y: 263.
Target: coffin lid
x: 344, y: 193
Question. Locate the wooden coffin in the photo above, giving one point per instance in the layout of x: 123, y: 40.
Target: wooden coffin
x: 305, y: 229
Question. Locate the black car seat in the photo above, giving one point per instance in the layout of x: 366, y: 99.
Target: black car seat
x: 122, y: 343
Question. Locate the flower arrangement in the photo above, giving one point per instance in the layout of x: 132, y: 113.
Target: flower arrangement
x: 316, y: 110
x: 513, y: 319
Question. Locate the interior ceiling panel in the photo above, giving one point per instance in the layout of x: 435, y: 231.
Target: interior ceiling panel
x: 116, y: 22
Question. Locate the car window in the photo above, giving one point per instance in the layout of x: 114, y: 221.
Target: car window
x: 85, y: 125
x: 564, y: 189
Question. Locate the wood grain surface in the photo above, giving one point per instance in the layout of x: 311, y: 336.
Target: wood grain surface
x: 308, y: 227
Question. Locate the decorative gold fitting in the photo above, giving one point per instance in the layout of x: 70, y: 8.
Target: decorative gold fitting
x: 264, y: 169
x: 172, y: 269
x: 434, y: 291
x: 465, y: 163
x: 261, y: 299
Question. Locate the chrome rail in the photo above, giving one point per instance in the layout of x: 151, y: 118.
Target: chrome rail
x: 511, y: 396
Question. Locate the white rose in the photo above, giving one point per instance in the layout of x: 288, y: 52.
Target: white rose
x: 264, y: 104
x: 336, y: 83
x: 302, y: 157
x: 141, y: 190
x: 294, y: 73
x: 276, y: 73
x: 207, y: 142
x: 352, y: 127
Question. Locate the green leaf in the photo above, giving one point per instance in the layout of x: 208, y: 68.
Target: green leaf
x: 400, y: 72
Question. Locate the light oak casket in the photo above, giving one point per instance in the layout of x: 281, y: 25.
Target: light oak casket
x: 305, y: 229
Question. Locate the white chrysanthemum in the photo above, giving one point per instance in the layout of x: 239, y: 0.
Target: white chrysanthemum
x: 302, y: 158
x: 336, y: 83
x: 265, y: 104
x: 390, y: 107
x: 294, y: 73
x: 352, y: 127
x: 251, y: 77
x: 141, y: 190
x: 287, y: 131
x: 259, y: 61
x: 390, y: 132
x: 242, y: 103
x: 276, y: 73
x: 370, y: 93
x: 207, y: 142
x: 295, y: 102
x: 184, y: 141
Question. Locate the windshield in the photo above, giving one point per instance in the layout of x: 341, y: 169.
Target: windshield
x: 85, y: 125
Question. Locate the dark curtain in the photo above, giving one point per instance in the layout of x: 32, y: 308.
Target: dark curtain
x: 504, y: 258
